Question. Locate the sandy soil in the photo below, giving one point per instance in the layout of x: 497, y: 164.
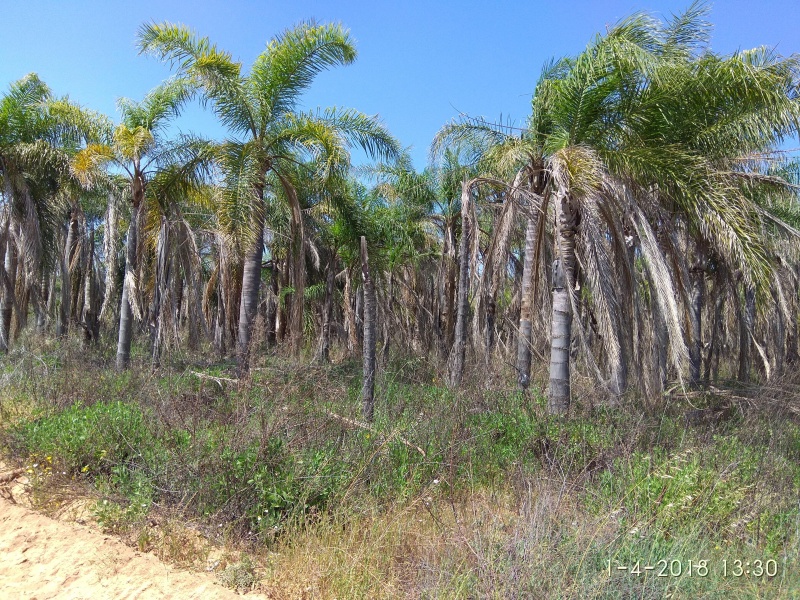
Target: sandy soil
x: 41, y: 558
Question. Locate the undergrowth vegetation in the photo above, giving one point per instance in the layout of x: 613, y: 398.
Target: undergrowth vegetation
x: 475, y: 493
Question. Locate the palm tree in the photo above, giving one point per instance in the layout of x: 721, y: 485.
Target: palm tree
x: 139, y: 148
x: 270, y: 135
x: 172, y: 248
x: 729, y: 113
x: 589, y: 154
x: 37, y: 132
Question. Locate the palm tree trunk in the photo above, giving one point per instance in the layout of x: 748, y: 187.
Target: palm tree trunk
x: 126, y: 310
x: 324, y: 352
x: 525, y: 318
x: 349, y: 314
x: 159, y: 293
x: 489, y: 324
x: 73, y: 266
x: 90, y: 320
x: 792, y: 355
x: 716, y: 331
x: 660, y: 347
x: 220, y: 317
x: 697, y: 298
x: 251, y: 282
x: 298, y: 270
x: 176, y: 300
x: 448, y: 272
x: 272, y: 307
x: 7, y: 305
x: 558, y: 397
x: 110, y: 251
x: 41, y: 308
x: 283, y: 318
x: 779, y: 335
x: 23, y: 300
x: 62, y: 328
x: 746, y: 322
x: 359, y: 314
x: 458, y: 351
x: 387, y: 312
x: 368, y: 386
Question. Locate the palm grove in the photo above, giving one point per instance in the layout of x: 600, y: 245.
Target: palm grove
x: 639, y: 228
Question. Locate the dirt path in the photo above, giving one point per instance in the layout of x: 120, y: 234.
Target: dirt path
x: 41, y: 558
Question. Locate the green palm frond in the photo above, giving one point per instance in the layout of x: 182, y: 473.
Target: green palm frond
x: 469, y: 138
x: 365, y: 131
x: 687, y: 33
x: 132, y: 144
x: 243, y: 172
x: 88, y: 163
x: 207, y: 67
x: 291, y: 61
x: 316, y: 140
x: 158, y: 107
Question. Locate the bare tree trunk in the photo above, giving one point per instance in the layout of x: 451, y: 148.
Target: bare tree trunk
x: 251, y: 282
x: 458, y: 351
x: 368, y: 387
x: 126, y: 309
x: 558, y: 396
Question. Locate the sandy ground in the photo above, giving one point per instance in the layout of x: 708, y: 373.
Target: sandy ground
x: 41, y: 558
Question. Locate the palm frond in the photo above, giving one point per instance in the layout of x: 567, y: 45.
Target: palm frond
x: 292, y: 60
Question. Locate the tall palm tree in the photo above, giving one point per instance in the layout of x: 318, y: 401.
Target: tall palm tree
x: 260, y: 108
x: 140, y: 148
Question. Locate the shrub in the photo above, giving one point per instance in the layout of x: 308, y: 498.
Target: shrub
x: 89, y: 439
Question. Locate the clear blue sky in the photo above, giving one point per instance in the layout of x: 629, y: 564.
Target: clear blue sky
x: 419, y: 63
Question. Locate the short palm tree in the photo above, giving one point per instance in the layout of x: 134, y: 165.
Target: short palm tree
x: 270, y: 135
